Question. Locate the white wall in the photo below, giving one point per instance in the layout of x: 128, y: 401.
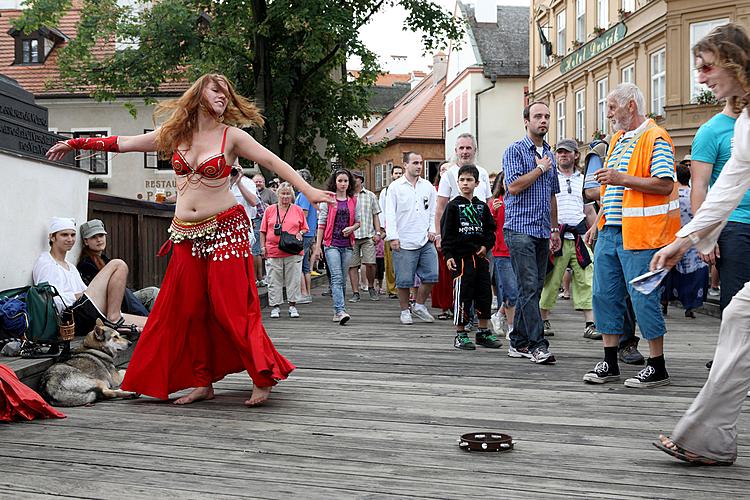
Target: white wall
x: 500, y: 120
x: 32, y: 193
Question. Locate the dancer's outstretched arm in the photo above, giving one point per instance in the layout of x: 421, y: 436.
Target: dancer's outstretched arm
x: 143, y: 143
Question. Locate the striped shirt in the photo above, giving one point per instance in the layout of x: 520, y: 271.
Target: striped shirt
x: 662, y: 166
x: 528, y: 212
x: 570, y: 200
x: 367, y: 208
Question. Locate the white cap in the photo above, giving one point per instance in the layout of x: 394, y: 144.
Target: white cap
x: 60, y: 224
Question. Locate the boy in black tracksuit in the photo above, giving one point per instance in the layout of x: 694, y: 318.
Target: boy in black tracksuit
x: 468, y: 232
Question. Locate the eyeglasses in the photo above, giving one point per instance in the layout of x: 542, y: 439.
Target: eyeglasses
x: 570, y: 189
x: 705, y: 68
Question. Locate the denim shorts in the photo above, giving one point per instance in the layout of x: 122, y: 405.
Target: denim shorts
x: 256, y: 231
x: 505, y: 281
x: 614, y: 267
x: 422, y: 263
x: 307, y: 244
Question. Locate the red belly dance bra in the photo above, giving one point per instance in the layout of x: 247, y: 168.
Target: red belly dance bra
x: 213, y: 167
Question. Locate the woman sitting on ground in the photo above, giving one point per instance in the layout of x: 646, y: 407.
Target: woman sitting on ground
x: 93, y: 259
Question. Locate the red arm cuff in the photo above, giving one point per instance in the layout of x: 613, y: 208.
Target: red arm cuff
x: 95, y: 143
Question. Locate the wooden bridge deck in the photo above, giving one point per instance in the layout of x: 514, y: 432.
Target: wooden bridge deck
x: 373, y: 411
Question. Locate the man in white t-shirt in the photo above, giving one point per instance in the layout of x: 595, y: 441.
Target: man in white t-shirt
x: 246, y: 194
x: 466, y: 152
x: 100, y: 300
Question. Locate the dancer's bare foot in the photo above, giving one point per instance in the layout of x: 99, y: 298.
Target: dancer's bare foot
x: 259, y: 396
x: 197, y: 394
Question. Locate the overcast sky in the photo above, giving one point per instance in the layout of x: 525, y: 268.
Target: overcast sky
x: 385, y: 37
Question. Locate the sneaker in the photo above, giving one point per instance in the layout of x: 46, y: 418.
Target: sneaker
x: 548, y: 331
x: 343, y: 318
x: 601, y: 374
x: 648, y: 377
x: 421, y: 312
x: 261, y: 283
x: 373, y: 294
x: 542, y: 356
x: 521, y: 352
x: 494, y: 302
x: 486, y: 338
x: 327, y: 293
x: 314, y: 274
x: 714, y: 293
x: 392, y: 296
x: 590, y: 333
x: 293, y: 313
x: 563, y: 296
x: 305, y: 299
x: 406, y: 317
x: 630, y: 355
x: 462, y: 341
x: 355, y: 298
x: 275, y: 312
x: 336, y: 317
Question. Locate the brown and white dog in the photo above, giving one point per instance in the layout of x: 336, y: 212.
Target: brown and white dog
x: 90, y: 374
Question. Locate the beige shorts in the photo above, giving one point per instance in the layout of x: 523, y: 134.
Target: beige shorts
x: 363, y: 252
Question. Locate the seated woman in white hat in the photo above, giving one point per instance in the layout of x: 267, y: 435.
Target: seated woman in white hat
x: 100, y: 300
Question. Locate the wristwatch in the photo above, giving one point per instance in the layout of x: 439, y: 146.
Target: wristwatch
x: 377, y: 233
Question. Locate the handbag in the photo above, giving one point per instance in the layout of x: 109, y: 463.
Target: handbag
x: 288, y: 242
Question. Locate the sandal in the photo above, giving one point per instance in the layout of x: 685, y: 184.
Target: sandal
x: 687, y: 456
x: 131, y: 330
x: 445, y: 315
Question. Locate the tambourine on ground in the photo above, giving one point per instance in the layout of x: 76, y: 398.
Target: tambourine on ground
x: 486, y: 441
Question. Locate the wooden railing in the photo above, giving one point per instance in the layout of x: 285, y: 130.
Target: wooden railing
x: 135, y: 232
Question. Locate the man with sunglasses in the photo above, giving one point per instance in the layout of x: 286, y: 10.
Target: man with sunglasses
x: 574, y: 218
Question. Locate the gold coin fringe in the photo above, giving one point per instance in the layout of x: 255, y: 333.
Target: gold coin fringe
x: 218, y: 238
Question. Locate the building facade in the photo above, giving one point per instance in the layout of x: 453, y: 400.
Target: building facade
x: 581, y: 49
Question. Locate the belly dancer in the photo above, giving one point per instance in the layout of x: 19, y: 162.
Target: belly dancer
x: 206, y: 322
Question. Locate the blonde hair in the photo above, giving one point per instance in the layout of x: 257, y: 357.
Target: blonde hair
x: 731, y: 46
x: 284, y: 186
x: 183, y: 113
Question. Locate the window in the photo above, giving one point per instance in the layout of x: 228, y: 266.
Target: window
x: 628, y: 74
x: 449, y: 116
x: 94, y: 162
x: 698, y: 31
x: 560, y: 106
x: 378, y: 176
x: 561, y: 33
x: 385, y: 174
x: 464, y: 105
x: 628, y: 5
x: 602, y: 89
x: 581, y: 20
x: 602, y: 14
x: 543, y: 57
x: 30, y: 51
x: 152, y: 160
x: 456, y: 111
x: 658, y: 82
x: 581, y: 115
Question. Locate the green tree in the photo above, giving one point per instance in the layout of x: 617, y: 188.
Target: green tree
x: 289, y: 55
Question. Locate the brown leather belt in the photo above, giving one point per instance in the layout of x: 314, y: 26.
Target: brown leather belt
x: 486, y: 441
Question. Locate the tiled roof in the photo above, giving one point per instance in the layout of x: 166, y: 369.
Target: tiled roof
x: 503, y: 46
x: 385, y: 79
x: 43, y: 80
x: 418, y: 115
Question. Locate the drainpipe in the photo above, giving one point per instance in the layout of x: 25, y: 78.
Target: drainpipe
x: 493, y: 79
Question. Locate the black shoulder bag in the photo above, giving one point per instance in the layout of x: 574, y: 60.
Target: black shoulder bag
x: 287, y: 241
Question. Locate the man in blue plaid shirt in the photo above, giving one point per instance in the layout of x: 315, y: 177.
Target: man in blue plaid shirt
x: 531, y: 229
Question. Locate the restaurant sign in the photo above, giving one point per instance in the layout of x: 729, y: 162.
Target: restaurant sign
x: 594, y: 47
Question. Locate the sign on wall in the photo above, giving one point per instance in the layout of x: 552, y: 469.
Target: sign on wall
x: 154, y: 186
x: 594, y: 47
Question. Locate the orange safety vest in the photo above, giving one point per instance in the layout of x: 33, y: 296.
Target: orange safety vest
x: 648, y: 220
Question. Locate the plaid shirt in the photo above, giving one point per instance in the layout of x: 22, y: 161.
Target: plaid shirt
x: 367, y: 208
x: 529, y: 211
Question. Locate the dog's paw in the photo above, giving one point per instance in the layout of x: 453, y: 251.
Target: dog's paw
x: 133, y: 395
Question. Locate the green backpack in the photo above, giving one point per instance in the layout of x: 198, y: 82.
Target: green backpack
x: 40, y: 306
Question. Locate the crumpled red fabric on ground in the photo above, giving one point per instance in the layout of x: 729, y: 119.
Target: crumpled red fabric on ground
x: 19, y: 402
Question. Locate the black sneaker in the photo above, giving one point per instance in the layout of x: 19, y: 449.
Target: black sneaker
x: 486, y: 338
x: 542, y: 356
x: 462, y: 341
x: 630, y: 355
x: 548, y: 331
x: 355, y: 298
x: 601, y: 374
x: 648, y: 377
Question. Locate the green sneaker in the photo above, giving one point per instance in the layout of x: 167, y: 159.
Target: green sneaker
x: 462, y: 341
x: 486, y: 338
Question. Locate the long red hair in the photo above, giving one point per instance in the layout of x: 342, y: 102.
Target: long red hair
x: 183, y: 113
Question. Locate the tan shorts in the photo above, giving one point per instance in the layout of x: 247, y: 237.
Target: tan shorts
x: 363, y: 252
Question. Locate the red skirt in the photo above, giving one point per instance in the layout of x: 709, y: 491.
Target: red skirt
x: 206, y: 322
x: 442, y: 292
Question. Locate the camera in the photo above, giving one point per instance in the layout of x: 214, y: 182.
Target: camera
x: 235, y: 171
x: 277, y: 229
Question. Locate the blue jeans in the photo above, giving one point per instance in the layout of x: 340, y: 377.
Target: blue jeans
x: 734, y: 246
x: 529, y: 256
x: 256, y: 250
x: 505, y: 281
x: 421, y: 262
x: 614, y: 267
x: 337, y: 260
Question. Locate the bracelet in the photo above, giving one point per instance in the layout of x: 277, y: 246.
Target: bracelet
x: 542, y: 169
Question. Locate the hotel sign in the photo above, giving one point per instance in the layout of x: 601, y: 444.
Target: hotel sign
x: 594, y: 47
